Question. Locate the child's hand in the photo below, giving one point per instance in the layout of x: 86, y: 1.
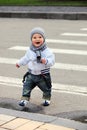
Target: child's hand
x: 17, y: 65
x: 43, y: 61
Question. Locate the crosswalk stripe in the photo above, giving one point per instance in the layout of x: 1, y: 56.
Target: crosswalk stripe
x: 66, y: 51
x: 8, y: 60
x: 67, y: 41
x: 16, y: 82
x: 84, y: 29
x: 75, y: 34
x: 70, y: 88
x: 63, y: 66
x: 64, y: 41
x: 70, y: 67
x: 60, y: 51
x: 19, y: 48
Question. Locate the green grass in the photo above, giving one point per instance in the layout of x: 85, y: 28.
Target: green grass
x: 45, y: 2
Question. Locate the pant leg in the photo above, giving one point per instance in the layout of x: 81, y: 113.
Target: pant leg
x: 28, y: 85
x: 45, y: 85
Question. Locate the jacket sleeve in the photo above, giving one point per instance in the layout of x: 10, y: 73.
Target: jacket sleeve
x: 50, y: 57
x: 25, y: 59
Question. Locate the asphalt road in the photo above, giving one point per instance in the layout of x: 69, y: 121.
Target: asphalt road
x: 68, y: 40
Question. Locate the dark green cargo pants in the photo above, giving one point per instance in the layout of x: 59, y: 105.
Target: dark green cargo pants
x: 43, y: 81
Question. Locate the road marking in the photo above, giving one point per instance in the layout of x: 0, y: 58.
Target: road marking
x: 73, y: 67
x: 19, y: 48
x: 83, y: 29
x: 16, y: 82
x: 62, y: 66
x: 60, y: 51
x: 61, y: 41
x: 8, y: 60
x: 66, y: 51
x: 9, y: 81
x: 66, y: 41
x: 70, y: 88
x: 75, y: 34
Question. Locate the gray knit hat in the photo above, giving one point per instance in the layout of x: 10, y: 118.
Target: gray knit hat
x: 37, y: 30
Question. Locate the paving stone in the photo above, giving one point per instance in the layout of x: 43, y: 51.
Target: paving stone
x: 54, y: 127
x: 30, y: 125
x: 40, y: 129
x: 2, y: 129
x: 15, y: 123
x: 6, y: 117
x: 2, y: 122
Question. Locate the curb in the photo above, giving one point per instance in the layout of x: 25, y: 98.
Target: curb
x: 45, y: 118
x: 42, y: 15
x: 44, y: 12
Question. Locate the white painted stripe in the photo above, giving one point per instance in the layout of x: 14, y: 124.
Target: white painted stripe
x: 75, y: 34
x: 8, y: 60
x: 66, y: 41
x: 83, y: 29
x: 19, y: 48
x: 71, y: 88
x: 16, y: 82
x: 11, y: 80
x: 61, y: 41
x: 60, y: 51
x: 70, y: 67
x: 70, y: 92
x: 56, y: 66
x: 66, y: 51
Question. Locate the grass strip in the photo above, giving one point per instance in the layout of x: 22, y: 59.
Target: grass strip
x: 44, y: 2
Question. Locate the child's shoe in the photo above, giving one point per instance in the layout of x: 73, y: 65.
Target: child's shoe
x: 46, y: 103
x: 23, y: 103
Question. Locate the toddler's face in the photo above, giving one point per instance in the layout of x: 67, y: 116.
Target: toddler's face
x: 37, y: 40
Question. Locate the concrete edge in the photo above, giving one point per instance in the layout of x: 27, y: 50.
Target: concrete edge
x: 47, y: 15
x: 45, y: 118
x: 28, y: 115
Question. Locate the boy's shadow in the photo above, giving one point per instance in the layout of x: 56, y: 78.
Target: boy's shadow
x: 33, y: 108
x: 14, y: 104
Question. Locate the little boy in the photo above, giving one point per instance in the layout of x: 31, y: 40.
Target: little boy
x: 39, y: 59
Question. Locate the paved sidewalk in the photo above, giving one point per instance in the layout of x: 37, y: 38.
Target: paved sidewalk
x: 45, y: 12
x: 20, y: 120
x: 16, y: 123
x: 14, y: 120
